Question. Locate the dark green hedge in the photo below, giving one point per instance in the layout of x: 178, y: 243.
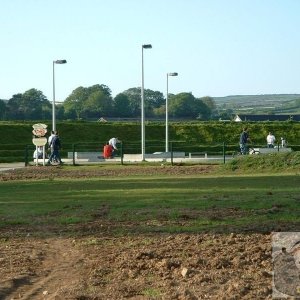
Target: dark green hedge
x: 189, y: 132
x: 206, y: 137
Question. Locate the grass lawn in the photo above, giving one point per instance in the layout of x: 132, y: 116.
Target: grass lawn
x: 155, y: 203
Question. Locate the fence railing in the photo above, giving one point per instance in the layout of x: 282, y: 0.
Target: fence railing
x: 154, y: 150
x: 222, y: 150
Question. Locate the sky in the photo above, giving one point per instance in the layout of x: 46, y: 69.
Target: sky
x: 217, y: 47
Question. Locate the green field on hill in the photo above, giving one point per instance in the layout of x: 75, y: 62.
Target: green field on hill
x: 260, y: 104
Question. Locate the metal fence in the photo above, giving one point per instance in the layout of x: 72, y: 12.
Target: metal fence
x: 182, y: 152
x: 155, y: 151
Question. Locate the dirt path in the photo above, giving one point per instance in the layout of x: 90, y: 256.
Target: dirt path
x: 54, y: 269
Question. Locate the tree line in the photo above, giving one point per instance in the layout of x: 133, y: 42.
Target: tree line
x: 94, y: 102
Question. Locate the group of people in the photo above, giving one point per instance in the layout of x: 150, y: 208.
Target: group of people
x: 110, y: 148
x: 245, y: 140
x: 271, y: 141
x: 54, y: 146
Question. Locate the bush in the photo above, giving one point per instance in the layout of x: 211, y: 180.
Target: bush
x: 196, y: 136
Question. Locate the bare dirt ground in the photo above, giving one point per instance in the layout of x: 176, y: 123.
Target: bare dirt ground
x: 40, y: 172
x: 93, y: 264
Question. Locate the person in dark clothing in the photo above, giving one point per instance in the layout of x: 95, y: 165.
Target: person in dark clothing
x: 55, y: 147
x: 244, y: 139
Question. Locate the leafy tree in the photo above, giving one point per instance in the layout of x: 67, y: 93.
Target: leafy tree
x: 226, y: 114
x: 28, y: 106
x: 73, y: 105
x: 182, y: 105
x: 160, y: 112
x: 134, y: 97
x: 121, y: 106
x: 12, y: 107
x: 153, y: 99
x: 60, y: 112
x: 97, y: 104
x: 185, y: 105
x: 34, y: 103
x: 89, y: 102
x: 99, y: 88
x: 2, y: 109
x: 209, y: 110
x: 204, y: 112
x: 209, y: 102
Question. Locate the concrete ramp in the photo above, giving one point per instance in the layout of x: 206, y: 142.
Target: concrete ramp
x: 157, y: 156
x: 271, y: 150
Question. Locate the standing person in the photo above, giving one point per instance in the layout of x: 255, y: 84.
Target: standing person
x: 244, y: 139
x: 107, y: 151
x: 270, y: 140
x: 56, y: 145
x: 49, y: 144
x: 50, y: 137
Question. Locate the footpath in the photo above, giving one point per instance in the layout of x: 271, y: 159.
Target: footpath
x: 11, y: 166
x: 129, y: 158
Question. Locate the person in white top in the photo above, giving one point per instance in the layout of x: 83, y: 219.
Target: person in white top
x: 113, y: 142
x: 38, y: 153
x: 53, y: 134
x: 283, y: 142
x: 270, y: 140
x: 50, y: 138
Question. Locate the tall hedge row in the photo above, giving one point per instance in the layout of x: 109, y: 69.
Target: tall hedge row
x: 188, y: 132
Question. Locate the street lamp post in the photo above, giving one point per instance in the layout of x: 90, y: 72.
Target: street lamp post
x: 167, y: 115
x: 147, y: 46
x: 61, y: 61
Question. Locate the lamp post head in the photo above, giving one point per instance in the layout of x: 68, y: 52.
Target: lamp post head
x: 60, y: 61
x: 147, y: 46
x: 173, y: 74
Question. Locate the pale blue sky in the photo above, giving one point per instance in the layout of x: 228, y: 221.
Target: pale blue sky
x: 218, y: 47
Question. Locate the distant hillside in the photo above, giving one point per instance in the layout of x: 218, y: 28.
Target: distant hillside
x: 269, y: 103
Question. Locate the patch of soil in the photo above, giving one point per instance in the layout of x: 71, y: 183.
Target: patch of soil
x: 93, y: 263
x: 179, y: 266
x: 40, y: 172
